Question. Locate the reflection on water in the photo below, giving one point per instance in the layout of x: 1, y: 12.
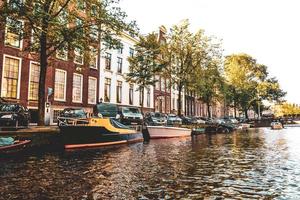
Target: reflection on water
x: 262, y: 165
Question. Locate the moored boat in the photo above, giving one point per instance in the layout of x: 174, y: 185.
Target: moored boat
x: 14, y: 147
x: 167, y: 132
x: 276, y: 125
x: 96, y: 132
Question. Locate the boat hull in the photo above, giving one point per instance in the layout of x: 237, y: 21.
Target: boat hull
x: 13, y: 148
x: 156, y: 132
x: 93, y: 136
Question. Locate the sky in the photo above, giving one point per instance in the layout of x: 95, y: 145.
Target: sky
x: 268, y: 30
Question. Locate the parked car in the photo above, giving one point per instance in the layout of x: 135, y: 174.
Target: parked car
x: 155, y: 119
x: 186, y: 120
x: 220, y: 126
x: 198, y: 120
x: 106, y: 110
x: 130, y: 116
x: 123, y: 114
x: 13, y: 115
x: 173, y: 120
x: 71, y: 113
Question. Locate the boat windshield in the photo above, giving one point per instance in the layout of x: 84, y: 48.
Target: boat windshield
x: 117, y: 124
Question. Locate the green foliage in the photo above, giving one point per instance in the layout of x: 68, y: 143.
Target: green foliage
x: 146, y: 62
x: 180, y: 54
x: 249, y: 82
x: 53, y: 25
x: 64, y: 25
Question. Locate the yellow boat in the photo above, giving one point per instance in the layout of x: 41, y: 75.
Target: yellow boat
x: 96, y: 132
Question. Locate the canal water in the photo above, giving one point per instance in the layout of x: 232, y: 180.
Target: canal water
x: 254, y: 165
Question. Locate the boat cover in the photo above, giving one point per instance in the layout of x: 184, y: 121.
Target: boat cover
x: 4, y: 141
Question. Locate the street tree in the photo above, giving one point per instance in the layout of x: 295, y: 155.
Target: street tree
x: 145, y: 63
x: 179, y: 54
x: 208, y: 80
x: 56, y: 26
x: 250, y: 82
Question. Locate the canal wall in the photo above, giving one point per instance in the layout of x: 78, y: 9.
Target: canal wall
x: 39, y: 136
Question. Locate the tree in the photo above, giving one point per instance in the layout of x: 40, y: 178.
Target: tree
x: 249, y: 82
x: 56, y: 25
x: 178, y: 53
x: 145, y: 63
x: 208, y: 80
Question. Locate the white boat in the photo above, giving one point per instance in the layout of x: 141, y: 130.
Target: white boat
x: 167, y: 132
x: 244, y: 126
x: 276, y: 125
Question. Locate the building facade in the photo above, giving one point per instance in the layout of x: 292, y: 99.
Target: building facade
x: 71, y: 80
x: 113, y: 85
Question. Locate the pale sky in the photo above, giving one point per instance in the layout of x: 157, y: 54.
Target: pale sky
x: 268, y: 30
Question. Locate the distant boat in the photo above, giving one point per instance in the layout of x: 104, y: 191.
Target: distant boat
x: 167, y: 132
x: 276, y: 125
x: 96, y: 132
x: 18, y: 145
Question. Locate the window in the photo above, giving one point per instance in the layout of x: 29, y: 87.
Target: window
x: 119, y: 91
x: 92, y: 90
x: 168, y: 86
x: 77, y: 88
x: 108, y: 61
x: 120, y: 49
x: 131, y: 94
x: 62, y: 53
x: 131, y: 52
x: 120, y: 63
x: 148, y: 97
x: 93, y: 57
x: 63, y: 18
x: 60, y: 85
x: 107, y: 89
x: 13, y: 33
x: 163, y: 85
x: 81, y: 5
x: 157, y: 83
x: 94, y: 32
x: 35, y: 43
x: 141, y: 91
x: 78, y: 56
x: 79, y: 26
x: 11, y: 77
x: 16, y: 5
x: 94, y: 10
x: 55, y: 115
x: 34, y: 78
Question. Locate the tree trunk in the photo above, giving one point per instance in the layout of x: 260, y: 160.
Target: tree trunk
x: 179, y: 100
x: 142, y: 102
x: 246, y: 113
x: 208, y: 110
x: 42, y: 81
x: 234, y: 107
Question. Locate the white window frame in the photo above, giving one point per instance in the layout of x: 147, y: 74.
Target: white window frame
x: 65, y: 88
x: 96, y: 57
x: 19, y: 75
x: 66, y: 52
x: 21, y: 40
x: 119, y: 65
x: 30, y: 64
x: 81, y: 88
x: 119, y: 88
x: 77, y: 53
x: 91, y: 77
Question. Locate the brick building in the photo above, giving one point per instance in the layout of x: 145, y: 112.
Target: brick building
x: 73, y: 80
